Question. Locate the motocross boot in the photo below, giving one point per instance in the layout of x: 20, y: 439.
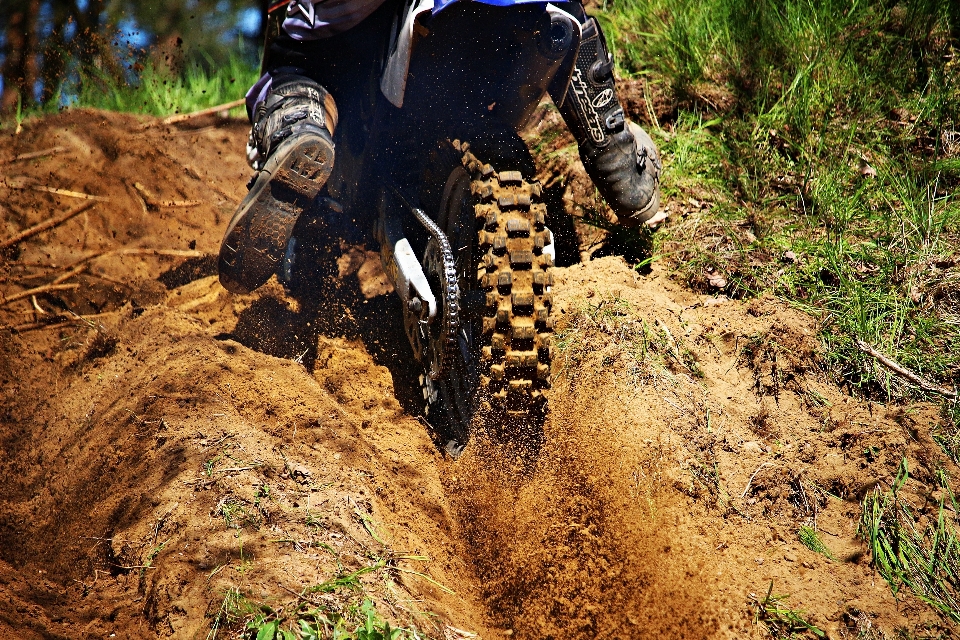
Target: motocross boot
x: 619, y: 156
x: 291, y: 147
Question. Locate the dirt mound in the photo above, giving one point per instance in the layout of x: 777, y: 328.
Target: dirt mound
x: 173, y: 451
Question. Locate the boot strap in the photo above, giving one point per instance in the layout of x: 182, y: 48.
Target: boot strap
x: 591, y: 99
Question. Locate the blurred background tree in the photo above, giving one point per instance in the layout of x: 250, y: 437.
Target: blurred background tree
x: 49, y: 47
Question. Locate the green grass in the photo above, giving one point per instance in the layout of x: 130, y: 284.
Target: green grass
x: 811, y: 540
x: 947, y: 434
x: 779, y: 621
x: 362, y: 622
x: 352, y: 616
x: 820, y: 133
x: 913, y: 551
x: 159, y: 92
x: 342, y: 607
x: 150, y: 90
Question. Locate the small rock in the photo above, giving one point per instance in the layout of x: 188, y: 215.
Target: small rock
x: 789, y: 256
x: 759, y: 560
x: 866, y: 170
x: 712, y: 302
x: 657, y: 218
x: 789, y: 556
x: 752, y: 447
x: 808, y: 565
x: 716, y: 281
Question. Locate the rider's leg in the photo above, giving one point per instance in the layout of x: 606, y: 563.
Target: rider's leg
x: 294, y: 118
x: 291, y: 146
x: 619, y: 155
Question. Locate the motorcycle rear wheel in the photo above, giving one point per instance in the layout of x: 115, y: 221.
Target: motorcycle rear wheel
x: 493, y: 215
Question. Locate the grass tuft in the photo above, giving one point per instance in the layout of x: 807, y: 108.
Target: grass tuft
x: 157, y: 91
x: 913, y: 551
x: 779, y: 621
x: 811, y: 540
x: 811, y: 150
x: 947, y: 435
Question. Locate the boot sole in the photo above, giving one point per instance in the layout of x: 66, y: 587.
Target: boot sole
x: 256, y: 238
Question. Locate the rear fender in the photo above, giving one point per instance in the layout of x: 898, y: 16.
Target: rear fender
x: 393, y: 82
x: 409, y: 28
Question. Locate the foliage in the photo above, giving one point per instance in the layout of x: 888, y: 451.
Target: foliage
x: 947, y: 435
x: 820, y: 140
x: 360, y: 623
x: 159, y: 93
x: 923, y: 557
x: 48, y: 45
x: 811, y: 540
x: 780, y: 621
x: 341, y: 608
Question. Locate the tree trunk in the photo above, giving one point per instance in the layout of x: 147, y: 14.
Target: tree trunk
x: 55, y: 53
x: 20, y: 63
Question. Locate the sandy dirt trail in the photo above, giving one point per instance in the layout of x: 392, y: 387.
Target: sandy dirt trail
x: 166, y: 443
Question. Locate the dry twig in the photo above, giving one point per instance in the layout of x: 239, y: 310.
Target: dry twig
x: 5, y: 300
x: 173, y: 253
x: 762, y: 466
x: 180, y: 117
x: 26, y: 182
x: 69, y: 274
x: 34, y: 154
x: 898, y: 368
x: 48, y: 224
x: 156, y: 202
x: 69, y: 194
x: 57, y: 321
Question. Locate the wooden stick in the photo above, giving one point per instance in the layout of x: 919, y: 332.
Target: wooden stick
x: 176, y: 253
x: 34, y: 154
x: 762, y: 466
x: 173, y: 253
x: 49, y: 224
x: 69, y: 194
x: 5, y: 300
x: 32, y: 326
x: 53, y: 322
x: 59, y: 320
x: 156, y: 202
x: 915, y: 378
x: 69, y: 274
x: 24, y: 182
x: 180, y: 117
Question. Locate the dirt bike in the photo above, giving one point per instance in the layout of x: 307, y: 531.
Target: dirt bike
x: 458, y: 215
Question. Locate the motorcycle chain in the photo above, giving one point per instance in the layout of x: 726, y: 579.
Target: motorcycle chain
x: 440, y: 348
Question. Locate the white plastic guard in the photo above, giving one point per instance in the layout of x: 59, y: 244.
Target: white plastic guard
x: 393, y: 82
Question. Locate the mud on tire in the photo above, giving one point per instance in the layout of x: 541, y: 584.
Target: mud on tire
x: 504, y: 262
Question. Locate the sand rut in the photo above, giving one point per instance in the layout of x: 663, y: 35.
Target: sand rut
x: 178, y: 444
